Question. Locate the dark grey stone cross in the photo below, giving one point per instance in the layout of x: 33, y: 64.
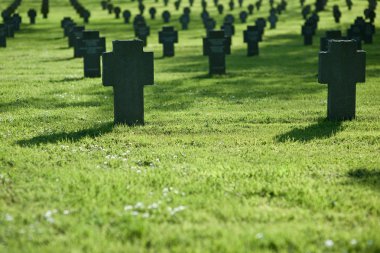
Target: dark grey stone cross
x: 216, y: 46
x: 341, y: 67
x: 128, y: 69
x: 91, y: 47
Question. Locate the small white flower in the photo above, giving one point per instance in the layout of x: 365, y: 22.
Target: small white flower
x: 128, y: 208
x: 153, y: 206
x: 8, y: 217
x: 329, y: 243
x: 50, y: 219
x: 139, y: 205
x: 145, y: 215
x: 135, y: 213
x: 259, y: 236
x: 353, y: 242
x: 66, y: 212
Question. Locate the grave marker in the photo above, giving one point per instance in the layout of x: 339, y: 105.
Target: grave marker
x: 32, y: 15
x: 117, y: 11
x: 341, y: 67
x: 184, y: 20
x: 127, y: 69
x: 166, y: 16
x: 92, y: 47
x: 142, y: 31
x: 215, y: 47
x: 126, y: 15
x: 152, y: 12
x: 252, y: 38
x: 167, y: 37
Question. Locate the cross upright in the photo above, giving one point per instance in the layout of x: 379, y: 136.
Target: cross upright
x: 341, y: 67
x: 168, y: 36
x: 91, y: 47
x: 216, y: 46
x: 128, y: 69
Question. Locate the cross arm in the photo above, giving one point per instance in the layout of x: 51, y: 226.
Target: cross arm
x: 147, y: 68
x: 324, y: 67
x: 360, y: 66
x: 108, y: 60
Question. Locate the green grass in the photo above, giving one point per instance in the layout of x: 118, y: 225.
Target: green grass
x: 249, y: 154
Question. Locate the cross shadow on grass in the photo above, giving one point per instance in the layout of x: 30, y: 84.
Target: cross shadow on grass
x: 320, y: 130
x: 73, y: 136
x: 366, y: 177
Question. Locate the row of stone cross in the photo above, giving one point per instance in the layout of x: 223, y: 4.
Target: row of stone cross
x: 12, y: 22
x: 360, y: 30
x: 184, y: 19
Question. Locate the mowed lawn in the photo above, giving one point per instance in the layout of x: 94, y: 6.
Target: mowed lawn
x: 244, y: 162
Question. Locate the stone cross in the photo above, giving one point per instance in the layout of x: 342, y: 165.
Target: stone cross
x: 141, y: 8
x: 74, y: 32
x: 349, y: 4
x: 215, y: 46
x: 67, y: 28
x: 229, y: 29
x: 142, y: 31
x: 220, y: 9
x: 336, y: 13
x: 167, y: 37
x: 209, y: 24
x: 45, y: 8
x: 243, y: 16
x: 251, y: 7
x: 15, y: 20
x: 252, y: 38
x: 126, y: 16
x: 117, y: 11
x: 231, y: 4
x: 166, y: 16
x: 152, y: 12
x: 184, y: 20
x: 92, y: 47
x: 307, y: 33
x: 177, y: 5
x: 341, y: 67
x: 110, y: 8
x: 128, y: 69
x: 272, y: 21
x: 32, y: 15
x: 104, y: 4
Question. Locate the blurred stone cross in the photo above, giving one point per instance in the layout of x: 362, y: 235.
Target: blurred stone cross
x: 92, y: 47
x: 216, y: 46
x: 341, y: 67
x: 167, y: 37
x: 128, y: 68
x: 142, y: 31
x: 252, y: 38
